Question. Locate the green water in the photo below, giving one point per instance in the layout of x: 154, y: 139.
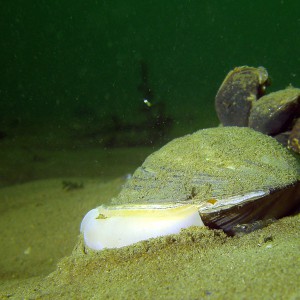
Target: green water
x: 77, y: 64
x: 73, y: 79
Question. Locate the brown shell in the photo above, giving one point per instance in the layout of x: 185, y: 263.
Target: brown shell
x: 275, y: 112
x: 241, y: 87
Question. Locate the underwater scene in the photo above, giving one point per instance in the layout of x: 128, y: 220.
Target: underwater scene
x: 150, y: 149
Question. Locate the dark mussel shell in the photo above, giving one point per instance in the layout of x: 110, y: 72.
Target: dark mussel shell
x: 275, y: 112
x: 273, y: 205
x: 241, y: 87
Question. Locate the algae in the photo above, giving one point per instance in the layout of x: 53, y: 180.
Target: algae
x: 211, y: 163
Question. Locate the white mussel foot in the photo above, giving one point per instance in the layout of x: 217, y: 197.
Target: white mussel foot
x: 119, y: 226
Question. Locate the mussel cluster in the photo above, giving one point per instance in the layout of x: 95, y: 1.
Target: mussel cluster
x: 241, y: 101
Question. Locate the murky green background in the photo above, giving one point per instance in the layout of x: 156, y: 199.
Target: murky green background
x: 73, y: 78
x: 76, y: 65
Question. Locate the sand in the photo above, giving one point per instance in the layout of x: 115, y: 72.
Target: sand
x: 43, y: 256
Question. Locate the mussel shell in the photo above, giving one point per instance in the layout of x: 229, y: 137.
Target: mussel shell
x: 241, y: 87
x: 274, y: 113
x: 213, y: 165
x: 278, y: 203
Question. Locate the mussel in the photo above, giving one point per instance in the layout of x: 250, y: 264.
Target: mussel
x: 217, y: 177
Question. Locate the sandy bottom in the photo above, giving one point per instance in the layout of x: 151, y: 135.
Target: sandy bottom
x: 43, y: 257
